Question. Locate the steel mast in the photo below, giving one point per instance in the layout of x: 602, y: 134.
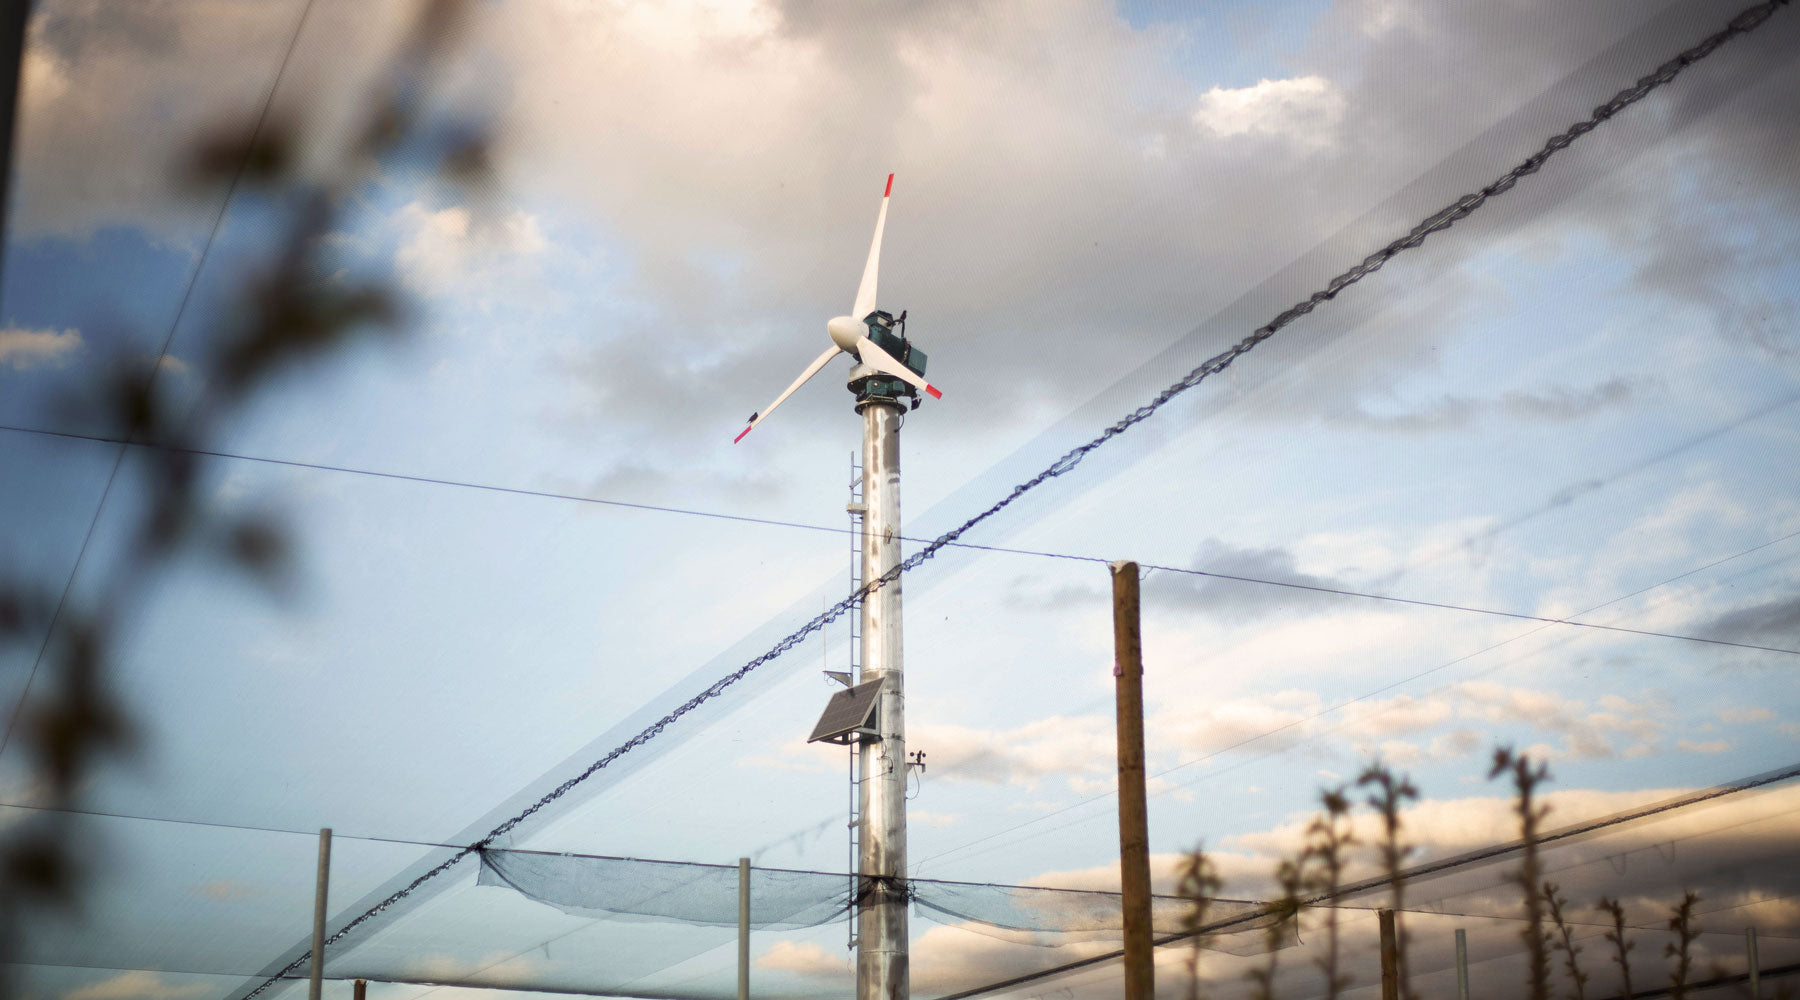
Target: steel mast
x: 882, y: 966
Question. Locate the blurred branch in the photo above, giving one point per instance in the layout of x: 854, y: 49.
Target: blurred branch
x: 294, y: 308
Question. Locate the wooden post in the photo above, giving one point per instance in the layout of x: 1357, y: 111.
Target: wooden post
x: 316, y: 983
x: 1754, y: 962
x: 743, y: 929
x: 1462, y: 964
x: 1134, y: 820
x: 1390, y: 961
x: 361, y: 990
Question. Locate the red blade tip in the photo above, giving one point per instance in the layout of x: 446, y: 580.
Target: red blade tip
x: 934, y: 393
x: 740, y: 437
x: 890, y: 187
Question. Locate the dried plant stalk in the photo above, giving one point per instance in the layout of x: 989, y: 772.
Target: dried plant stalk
x: 1199, y: 885
x: 1391, y: 792
x: 1284, y: 912
x: 1622, y: 943
x: 1682, y: 924
x: 1564, y: 941
x: 1328, y: 840
x: 1527, y: 775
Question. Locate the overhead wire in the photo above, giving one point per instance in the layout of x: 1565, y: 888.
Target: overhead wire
x: 1323, y: 712
x: 1744, y: 22
x: 1520, y: 616
x: 972, y: 546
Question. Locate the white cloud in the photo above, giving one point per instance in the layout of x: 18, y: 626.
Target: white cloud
x: 1457, y: 720
x: 24, y: 349
x: 806, y: 958
x: 926, y: 817
x: 1073, y: 748
x: 118, y: 93
x: 457, y: 250
x: 445, y: 966
x: 42, y: 79
x: 226, y: 891
x: 1708, y: 746
x: 1305, y: 110
x: 136, y: 986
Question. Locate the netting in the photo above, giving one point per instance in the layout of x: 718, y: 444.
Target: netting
x: 560, y: 922
x: 781, y: 899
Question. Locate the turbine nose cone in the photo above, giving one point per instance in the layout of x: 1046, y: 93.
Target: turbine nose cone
x: 845, y: 332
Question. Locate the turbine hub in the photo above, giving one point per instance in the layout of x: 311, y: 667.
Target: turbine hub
x: 845, y: 332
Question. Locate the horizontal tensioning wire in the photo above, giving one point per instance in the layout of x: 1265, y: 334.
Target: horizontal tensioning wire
x: 1746, y: 21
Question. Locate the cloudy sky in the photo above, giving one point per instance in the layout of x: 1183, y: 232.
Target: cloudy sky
x: 1580, y: 403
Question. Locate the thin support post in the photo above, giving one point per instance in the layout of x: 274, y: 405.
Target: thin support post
x: 1754, y: 962
x: 1462, y: 964
x: 1134, y: 821
x: 1390, y: 958
x: 743, y: 929
x: 360, y: 991
x: 315, y: 985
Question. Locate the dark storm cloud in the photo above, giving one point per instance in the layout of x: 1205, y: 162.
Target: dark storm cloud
x: 1245, y: 582
x: 1453, y: 413
x: 1226, y: 581
x: 1774, y: 622
x: 149, y: 28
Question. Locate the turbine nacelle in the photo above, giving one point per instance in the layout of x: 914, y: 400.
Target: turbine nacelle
x: 852, y: 335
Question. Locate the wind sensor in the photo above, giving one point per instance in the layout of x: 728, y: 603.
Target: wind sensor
x: 875, y: 339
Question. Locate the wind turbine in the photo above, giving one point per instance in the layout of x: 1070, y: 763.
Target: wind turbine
x: 889, y: 374
x: 851, y: 334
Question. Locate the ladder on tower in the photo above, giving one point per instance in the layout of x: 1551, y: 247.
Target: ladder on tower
x: 856, y: 510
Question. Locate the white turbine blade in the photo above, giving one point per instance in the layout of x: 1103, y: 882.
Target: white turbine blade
x: 871, y: 354
x: 811, y: 370
x: 865, y: 292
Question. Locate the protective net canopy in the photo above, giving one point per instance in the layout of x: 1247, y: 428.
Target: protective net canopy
x: 782, y: 899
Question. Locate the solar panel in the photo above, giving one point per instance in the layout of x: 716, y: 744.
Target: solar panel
x: 849, y: 715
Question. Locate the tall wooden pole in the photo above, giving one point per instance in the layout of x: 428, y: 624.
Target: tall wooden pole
x: 1134, y: 813
x: 315, y: 985
x: 1390, y: 957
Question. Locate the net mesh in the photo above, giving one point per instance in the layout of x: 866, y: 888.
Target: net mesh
x: 783, y: 899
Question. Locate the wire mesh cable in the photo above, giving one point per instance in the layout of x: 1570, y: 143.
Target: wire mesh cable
x: 1744, y: 22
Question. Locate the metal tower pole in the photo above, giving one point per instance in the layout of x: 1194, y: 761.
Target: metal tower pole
x: 881, y: 950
